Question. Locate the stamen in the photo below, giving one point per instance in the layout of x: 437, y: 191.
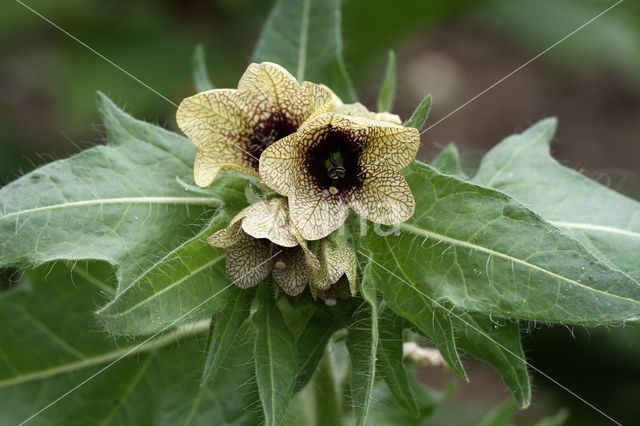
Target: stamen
x: 333, y: 190
x: 256, y: 147
x: 336, y: 171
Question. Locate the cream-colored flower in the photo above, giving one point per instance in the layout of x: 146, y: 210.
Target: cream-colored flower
x: 335, y: 163
x: 231, y: 127
x: 338, y: 273
x: 259, y: 241
x: 359, y: 110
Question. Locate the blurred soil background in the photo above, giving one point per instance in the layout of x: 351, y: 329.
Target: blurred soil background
x: 452, y: 49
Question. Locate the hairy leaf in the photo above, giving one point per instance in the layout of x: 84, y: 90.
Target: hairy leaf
x: 387, y: 412
x: 499, y: 345
x: 448, y: 162
x: 186, y: 284
x: 362, y: 342
x: 387, y: 94
x: 225, y: 325
x: 314, y: 338
x: 275, y: 357
x: 431, y: 318
x: 304, y: 36
x: 390, y: 360
x: 120, y: 202
x: 420, y: 115
x: 482, y: 251
x: 155, y: 382
x: 606, y: 222
x: 201, y: 79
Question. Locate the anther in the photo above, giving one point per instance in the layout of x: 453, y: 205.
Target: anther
x: 256, y: 147
x: 336, y: 172
x: 333, y: 190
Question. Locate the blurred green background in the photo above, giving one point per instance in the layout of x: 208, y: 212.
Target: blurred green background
x: 452, y: 49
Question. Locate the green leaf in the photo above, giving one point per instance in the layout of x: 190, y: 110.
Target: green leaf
x: 482, y: 251
x: 557, y: 419
x: 314, y: 338
x: 275, y: 357
x: 420, y: 115
x: 119, y: 203
x: 225, y: 325
x: 387, y: 412
x: 387, y: 93
x: 304, y: 36
x: 390, y: 361
x: 431, y: 318
x: 606, y: 222
x: 501, y: 415
x: 499, y: 345
x: 362, y: 343
x: 186, y: 284
x: 131, y: 204
x: 200, y: 72
x: 155, y: 382
x: 448, y: 162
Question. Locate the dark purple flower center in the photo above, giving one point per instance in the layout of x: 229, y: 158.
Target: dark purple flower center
x: 266, y: 132
x: 334, y: 162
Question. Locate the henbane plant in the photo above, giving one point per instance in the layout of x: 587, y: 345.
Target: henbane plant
x: 300, y: 296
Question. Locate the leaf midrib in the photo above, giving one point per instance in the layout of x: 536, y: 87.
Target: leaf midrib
x: 446, y: 332
x: 596, y: 228
x: 180, y: 333
x: 304, y: 35
x: 160, y: 292
x: 418, y: 231
x: 121, y: 200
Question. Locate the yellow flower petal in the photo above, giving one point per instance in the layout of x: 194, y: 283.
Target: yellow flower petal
x: 314, y: 214
x: 270, y: 219
x: 294, y: 274
x: 213, y: 160
x: 339, y: 260
x: 312, y: 262
x: 228, y: 236
x: 336, y: 260
x: 335, y: 162
x: 359, y: 110
x: 275, y: 89
x: 281, y: 163
x: 390, y: 146
x: 215, y: 115
x: 248, y: 261
x: 385, y: 197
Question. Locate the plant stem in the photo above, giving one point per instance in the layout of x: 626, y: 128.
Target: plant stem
x: 328, y: 399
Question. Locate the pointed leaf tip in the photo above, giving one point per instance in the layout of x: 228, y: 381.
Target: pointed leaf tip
x: 420, y: 115
x: 200, y: 72
x: 387, y: 94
